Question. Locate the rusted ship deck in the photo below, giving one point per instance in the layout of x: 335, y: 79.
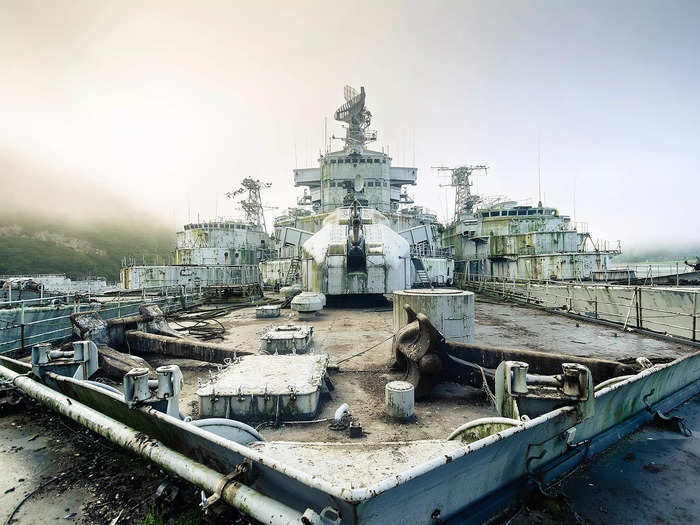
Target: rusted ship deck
x: 359, y: 344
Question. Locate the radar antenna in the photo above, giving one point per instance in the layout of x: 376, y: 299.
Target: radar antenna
x: 252, y: 206
x: 460, y: 179
x: 357, y: 116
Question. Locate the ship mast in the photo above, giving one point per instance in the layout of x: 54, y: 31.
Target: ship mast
x: 252, y: 205
x: 357, y: 117
x: 460, y: 179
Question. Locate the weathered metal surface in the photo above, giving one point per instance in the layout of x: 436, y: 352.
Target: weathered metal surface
x: 451, y: 311
x: 265, y: 387
x: 325, y: 260
x: 267, y: 311
x: 365, y: 253
x: 81, y: 362
x: 273, y: 272
x: 137, y: 277
x: 287, y: 339
x: 39, y: 324
x: 90, y: 325
x: 142, y: 342
x: 248, y: 501
x: 229, y: 429
x: 440, y: 271
x: 450, y: 483
x: 28, y: 286
x: 542, y: 362
x: 509, y: 241
x: 219, y: 243
x: 428, y: 359
x: 671, y: 311
x: 308, y: 303
x: 399, y: 400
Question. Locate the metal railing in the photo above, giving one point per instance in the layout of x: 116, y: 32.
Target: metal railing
x: 642, y: 274
x: 424, y: 250
x: 650, y: 272
x: 149, y: 259
x: 28, y: 322
x: 669, y: 311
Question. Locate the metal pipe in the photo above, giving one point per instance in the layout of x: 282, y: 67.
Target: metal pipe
x: 538, y: 379
x: 484, y: 421
x: 250, y: 502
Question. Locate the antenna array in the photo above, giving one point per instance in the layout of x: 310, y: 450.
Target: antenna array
x: 252, y: 205
x: 460, y: 179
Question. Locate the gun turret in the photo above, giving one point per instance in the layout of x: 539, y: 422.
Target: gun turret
x: 356, y: 253
x: 355, y: 224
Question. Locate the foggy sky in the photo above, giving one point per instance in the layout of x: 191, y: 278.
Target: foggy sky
x: 170, y: 104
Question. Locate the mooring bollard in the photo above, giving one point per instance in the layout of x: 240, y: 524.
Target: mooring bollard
x: 399, y: 399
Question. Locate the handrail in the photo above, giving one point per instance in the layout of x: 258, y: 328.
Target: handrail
x: 668, y: 311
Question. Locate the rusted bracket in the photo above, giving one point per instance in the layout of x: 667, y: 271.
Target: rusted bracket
x: 665, y: 421
x: 236, y: 473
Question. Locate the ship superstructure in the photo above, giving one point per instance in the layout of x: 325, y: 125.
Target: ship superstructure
x: 507, y: 240
x: 350, y: 185
x: 217, y: 252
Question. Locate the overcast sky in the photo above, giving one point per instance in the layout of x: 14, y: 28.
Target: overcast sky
x: 171, y: 104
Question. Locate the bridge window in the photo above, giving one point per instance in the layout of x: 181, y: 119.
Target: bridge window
x: 376, y: 161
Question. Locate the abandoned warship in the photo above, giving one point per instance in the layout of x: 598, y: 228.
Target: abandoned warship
x: 453, y: 405
x: 353, y: 233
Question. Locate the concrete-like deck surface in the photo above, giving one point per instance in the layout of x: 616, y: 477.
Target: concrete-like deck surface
x: 649, y: 477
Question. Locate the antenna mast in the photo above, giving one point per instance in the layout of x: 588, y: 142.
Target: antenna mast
x: 252, y: 206
x: 460, y: 179
x: 539, y: 173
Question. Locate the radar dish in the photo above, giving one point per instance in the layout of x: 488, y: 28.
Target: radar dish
x: 357, y: 117
x: 349, y: 111
x: 350, y: 93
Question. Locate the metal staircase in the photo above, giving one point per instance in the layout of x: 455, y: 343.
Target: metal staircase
x: 294, y: 272
x: 421, y: 273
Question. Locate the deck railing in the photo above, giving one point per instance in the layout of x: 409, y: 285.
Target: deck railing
x: 650, y: 272
x: 666, y: 310
x: 26, y: 322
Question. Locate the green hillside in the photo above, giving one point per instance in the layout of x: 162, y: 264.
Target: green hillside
x: 53, y: 221
x: 44, y: 246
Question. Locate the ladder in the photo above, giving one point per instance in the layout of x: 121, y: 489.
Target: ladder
x: 294, y: 272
